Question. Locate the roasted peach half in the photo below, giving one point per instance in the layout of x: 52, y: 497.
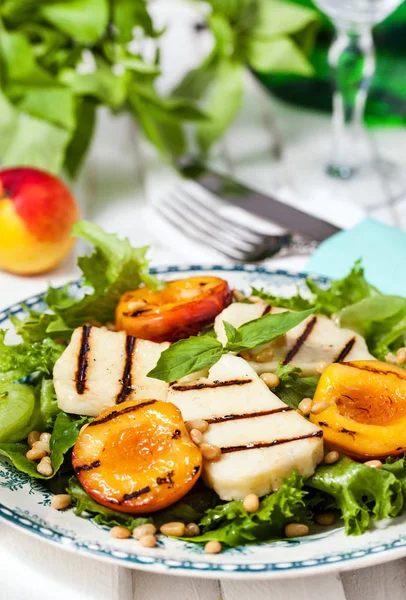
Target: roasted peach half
x: 182, y: 309
x: 138, y: 457
x: 364, y: 412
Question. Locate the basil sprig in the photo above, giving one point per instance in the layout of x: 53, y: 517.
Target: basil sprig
x: 201, y: 352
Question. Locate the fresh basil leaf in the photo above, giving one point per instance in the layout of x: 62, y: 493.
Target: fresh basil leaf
x: 128, y: 14
x: 361, y: 493
x: 187, y: 356
x: 278, y: 55
x: 85, y: 506
x: 83, y: 20
x: 264, y: 330
x: 228, y: 84
x: 19, y: 61
x: 102, y: 84
x: 64, y: 435
x: 8, y: 120
x: 231, y: 525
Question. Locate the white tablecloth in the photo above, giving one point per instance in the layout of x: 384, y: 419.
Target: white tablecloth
x: 120, y: 175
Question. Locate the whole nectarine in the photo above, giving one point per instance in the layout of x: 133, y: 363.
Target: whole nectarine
x: 37, y: 212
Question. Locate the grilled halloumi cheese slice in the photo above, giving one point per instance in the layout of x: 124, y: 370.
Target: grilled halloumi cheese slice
x: 102, y: 368
x: 317, y: 339
x: 262, y: 440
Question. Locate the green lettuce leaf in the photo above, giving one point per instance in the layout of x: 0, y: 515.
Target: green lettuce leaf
x: 20, y: 360
x: 342, y: 292
x: 231, y: 525
x: 293, y: 388
x: 64, y: 435
x: 296, y: 302
x: 381, y: 319
x: 190, y: 509
x: 113, y: 268
x: 86, y: 506
x: 15, y: 453
x: 362, y: 494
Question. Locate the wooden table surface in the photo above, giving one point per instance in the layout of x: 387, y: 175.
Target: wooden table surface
x: 120, y: 176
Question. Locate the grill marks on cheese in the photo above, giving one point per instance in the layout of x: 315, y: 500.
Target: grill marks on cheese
x: 262, y: 440
x: 102, y: 368
x: 317, y: 339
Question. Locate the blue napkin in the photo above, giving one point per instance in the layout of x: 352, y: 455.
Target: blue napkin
x: 381, y: 248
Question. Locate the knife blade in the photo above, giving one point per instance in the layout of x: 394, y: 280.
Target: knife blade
x: 253, y: 201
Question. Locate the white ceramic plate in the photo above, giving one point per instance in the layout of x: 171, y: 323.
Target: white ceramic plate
x: 25, y: 503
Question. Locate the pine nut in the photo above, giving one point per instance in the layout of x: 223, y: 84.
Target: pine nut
x: 45, y: 437
x: 238, y: 296
x: 296, y: 530
x: 376, y: 464
x: 391, y: 358
x: 265, y: 356
x: 331, y: 457
x: 280, y: 342
x: 85, y: 426
x: 148, y: 541
x: 327, y: 518
x: 321, y: 367
x: 42, y: 446
x: 197, y: 424
x: 135, y: 305
x: 33, y: 437
x: 401, y: 356
x: 192, y: 530
x: 257, y: 300
x: 35, y: 454
x: 246, y: 355
x: 196, y: 436
x: 47, y: 459
x: 44, y: 468
x: 305, y: 406
x: 120, y: 533
x: 143, y: 530
x: 175, y: 529
x: 271, y: 380
x: 213, y: 547
x: 319, y: 407
x: 61, y: 501
x: 210, y: 452
x: 251, y: 503
x: 111, y: 327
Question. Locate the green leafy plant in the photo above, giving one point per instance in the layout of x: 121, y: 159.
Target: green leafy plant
x: 62, y: 59
x: 271, y: 36
x: 59, y: 61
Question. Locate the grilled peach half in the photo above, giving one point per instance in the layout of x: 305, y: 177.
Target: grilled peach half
x: 138, y: 457
x: 365, y: 408
x: 182, y: 309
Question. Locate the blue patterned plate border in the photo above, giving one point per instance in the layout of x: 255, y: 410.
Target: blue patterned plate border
x: 378, y: 548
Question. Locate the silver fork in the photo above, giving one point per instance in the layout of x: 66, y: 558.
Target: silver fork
x: 186, y: 211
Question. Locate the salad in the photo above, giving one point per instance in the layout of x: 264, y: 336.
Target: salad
x: 188, y: 409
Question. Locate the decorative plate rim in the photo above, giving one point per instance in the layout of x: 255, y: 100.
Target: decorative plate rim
x: 379, y: 552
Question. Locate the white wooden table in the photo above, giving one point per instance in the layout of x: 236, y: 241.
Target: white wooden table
x: 120, y: 175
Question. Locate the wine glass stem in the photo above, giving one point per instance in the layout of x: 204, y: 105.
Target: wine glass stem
x: 352, y: 61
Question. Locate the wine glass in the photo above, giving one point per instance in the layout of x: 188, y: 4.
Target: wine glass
x: 352, y: 61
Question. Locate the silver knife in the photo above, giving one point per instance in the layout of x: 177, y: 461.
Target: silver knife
x: 268, y: 207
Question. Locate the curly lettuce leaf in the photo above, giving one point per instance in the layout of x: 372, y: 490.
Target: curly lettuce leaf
x: 20, y: 360
x: 86, y: 506
x: 296, y: 302
x: 292, y: 387
x: 190, y: 509
x: 37, y: 326
x: 342, y: 292
x: 15, y: 453
x: 231, y: 525
x: 361, y: 493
